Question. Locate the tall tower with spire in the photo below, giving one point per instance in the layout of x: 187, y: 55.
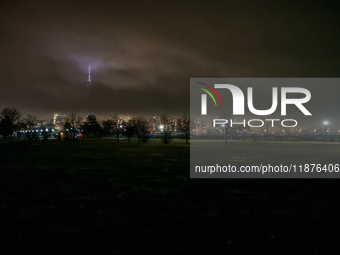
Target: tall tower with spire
x: 89, y: 82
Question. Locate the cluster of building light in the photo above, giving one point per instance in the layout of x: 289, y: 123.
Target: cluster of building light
x: 36, y: 130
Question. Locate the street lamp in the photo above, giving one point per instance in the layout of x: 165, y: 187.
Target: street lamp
x: 326, y: 128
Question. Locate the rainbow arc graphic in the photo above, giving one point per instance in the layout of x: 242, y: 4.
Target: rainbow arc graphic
x: 209, y: 93
x: 204, y: 97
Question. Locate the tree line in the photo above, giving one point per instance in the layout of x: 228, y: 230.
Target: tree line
x: 12, y: 121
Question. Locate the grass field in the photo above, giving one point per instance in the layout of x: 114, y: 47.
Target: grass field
x: 100, y: 197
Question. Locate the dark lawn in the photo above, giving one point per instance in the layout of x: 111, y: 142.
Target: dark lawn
x: 100, y: 197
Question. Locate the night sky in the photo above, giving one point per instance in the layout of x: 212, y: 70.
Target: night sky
x: 143, y: 55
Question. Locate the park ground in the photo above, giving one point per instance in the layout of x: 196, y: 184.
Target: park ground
x: 102, y: 197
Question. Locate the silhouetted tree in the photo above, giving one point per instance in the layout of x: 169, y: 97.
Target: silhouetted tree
x: 141, y: 128
x: 129, y: 130
x: 71, y: 125
x: 166, y: 132
x: 118, y: 125
x: 227, y: 128
x: 227, y: 131
x: 183, y: 125
x: 246, y: 131
x: 108, y: 127
x: 9, y: 121
x: 114, y: 126
x: 28, y: 123
x: 91, y: 126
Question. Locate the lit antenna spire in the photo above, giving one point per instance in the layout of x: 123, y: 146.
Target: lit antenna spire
x: 89, y: 80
